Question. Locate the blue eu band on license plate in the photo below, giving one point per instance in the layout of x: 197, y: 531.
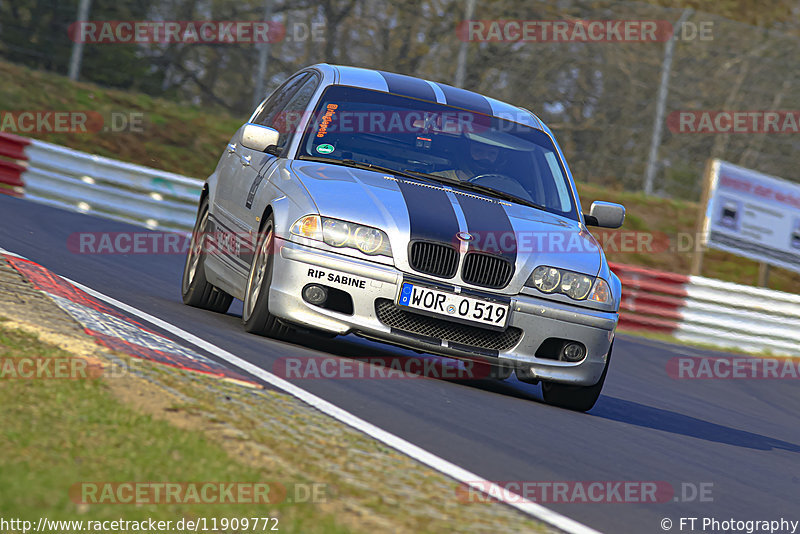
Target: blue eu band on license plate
x: 450, y: 305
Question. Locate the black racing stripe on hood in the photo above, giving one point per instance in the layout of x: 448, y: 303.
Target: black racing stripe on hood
x: 488, y: 222
x: 400, y: 84
x: 430, y: 213
x: 462, y: 98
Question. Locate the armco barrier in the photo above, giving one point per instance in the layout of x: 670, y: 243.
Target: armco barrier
x: 75, y: 180
x: 703, y: 310
x: 688, y: 307
x: 651, y: 300
x: 748, y: 318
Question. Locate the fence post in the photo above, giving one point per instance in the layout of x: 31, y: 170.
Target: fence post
x: 461, y: 64
x: 77, y: 45
x: 699, y: 228
x: 661, y: 102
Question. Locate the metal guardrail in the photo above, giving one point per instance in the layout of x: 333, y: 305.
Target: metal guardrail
x: 651, y: 300
x: 75, y: 180
x: 690, y: 308
x: 12, y: 154
x: 708, y: 311
x: 747, y: 318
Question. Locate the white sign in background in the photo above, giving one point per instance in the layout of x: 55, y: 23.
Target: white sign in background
x: 753, y: 215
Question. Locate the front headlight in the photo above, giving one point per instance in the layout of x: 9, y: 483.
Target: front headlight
x: 341, y: 234
x: 545, y: 279
x: 371, y: 241
x: 575, y: 285
x: 336, y: 233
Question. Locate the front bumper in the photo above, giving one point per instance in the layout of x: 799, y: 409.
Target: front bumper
x: 297, y: 265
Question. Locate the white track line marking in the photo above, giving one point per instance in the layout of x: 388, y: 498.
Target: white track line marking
x: 12, y: 254
x: 421, y: 455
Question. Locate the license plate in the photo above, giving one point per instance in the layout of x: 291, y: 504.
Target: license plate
x: 458, y: 307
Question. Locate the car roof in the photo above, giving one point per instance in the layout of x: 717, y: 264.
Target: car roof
x: 410, y: 86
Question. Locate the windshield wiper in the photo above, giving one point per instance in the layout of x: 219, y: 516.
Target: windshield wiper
x: 359, y: 165
x: 490, y: 191
x: 408, y: 173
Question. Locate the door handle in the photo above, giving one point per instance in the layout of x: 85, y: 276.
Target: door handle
x: 245, y: 160
x: 231, y: 148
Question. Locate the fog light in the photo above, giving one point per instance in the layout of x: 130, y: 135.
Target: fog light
x: 573, y: 352
x: 314, y: 294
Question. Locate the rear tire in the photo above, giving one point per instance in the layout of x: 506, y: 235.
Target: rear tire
x: 577, y: 398
x: 195, y: 288
x: 256, y: 318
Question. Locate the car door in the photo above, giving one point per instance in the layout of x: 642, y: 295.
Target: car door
x: 245, y: 170
x: 256, y: 167
x: 235, y: 156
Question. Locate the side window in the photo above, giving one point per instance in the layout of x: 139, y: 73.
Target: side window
x: 278, y: 100
x: 288, y: 120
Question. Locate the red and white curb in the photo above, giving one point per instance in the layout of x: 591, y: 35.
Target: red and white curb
x: 117, y: 331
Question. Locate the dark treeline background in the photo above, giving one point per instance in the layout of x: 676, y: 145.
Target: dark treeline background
x: 599, y: 98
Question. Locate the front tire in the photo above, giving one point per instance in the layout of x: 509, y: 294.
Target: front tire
x: 256, y: 317
x: 577, y: 398
x: 195, y: 288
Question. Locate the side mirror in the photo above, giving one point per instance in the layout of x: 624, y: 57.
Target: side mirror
x: 605, y: 215
x: 257, y: 137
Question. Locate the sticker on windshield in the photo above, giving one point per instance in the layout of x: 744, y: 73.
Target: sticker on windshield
x: 330, y: 111
x: 424, y: 142
x: 325, y: 149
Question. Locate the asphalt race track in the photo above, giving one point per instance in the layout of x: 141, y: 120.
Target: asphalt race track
x: 743, y: 436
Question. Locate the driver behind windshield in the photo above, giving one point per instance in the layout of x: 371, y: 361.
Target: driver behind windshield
x: 482, y: 159
x: 486, y: 154
x: 485, y: 165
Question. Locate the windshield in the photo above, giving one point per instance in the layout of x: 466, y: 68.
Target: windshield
x: 445, y: 143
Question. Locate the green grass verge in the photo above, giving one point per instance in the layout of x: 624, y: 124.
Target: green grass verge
x: 183, y: 139
x: 56, y: 433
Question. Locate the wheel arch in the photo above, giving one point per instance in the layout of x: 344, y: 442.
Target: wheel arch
x: 264, y: 216
x: 203, y: 194
x: 281, y: 210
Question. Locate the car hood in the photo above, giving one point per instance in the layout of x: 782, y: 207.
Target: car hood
x: 409, y: 209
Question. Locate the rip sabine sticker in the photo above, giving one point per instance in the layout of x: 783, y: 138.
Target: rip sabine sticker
x: 338, y: 279
x: 325, y: 149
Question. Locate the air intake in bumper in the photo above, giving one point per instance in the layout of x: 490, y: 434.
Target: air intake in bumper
x: 431, y: 327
